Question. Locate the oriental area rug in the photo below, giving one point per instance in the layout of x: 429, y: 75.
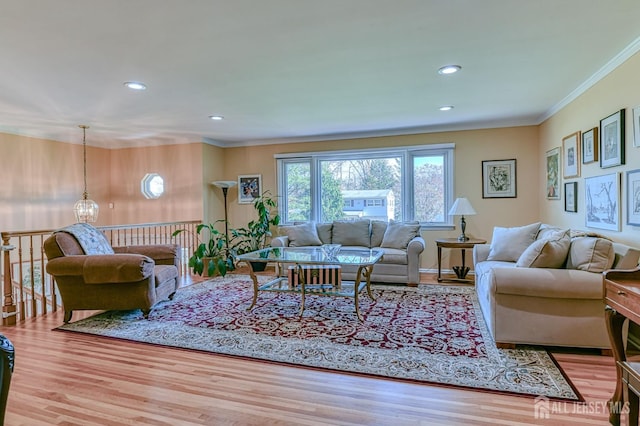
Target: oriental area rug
x: 431, y: 334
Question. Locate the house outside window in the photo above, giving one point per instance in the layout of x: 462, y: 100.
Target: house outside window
x: 401, y: 184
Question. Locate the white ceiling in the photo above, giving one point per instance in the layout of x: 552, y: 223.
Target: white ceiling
x: 296, y: 70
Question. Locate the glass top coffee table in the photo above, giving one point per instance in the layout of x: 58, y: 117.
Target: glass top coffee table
x: 307, y: 257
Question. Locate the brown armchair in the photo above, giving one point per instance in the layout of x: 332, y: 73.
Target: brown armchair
x: 134, y: 277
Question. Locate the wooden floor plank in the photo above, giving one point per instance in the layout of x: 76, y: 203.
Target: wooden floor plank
x: 64, y: 378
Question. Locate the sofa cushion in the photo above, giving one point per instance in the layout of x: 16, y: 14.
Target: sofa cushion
x: 378, y: 228
x: 351, y: 233
x: 547, y: 231
x: 302, y: 235
x: 507, y: 244
x: 324, y: 232
x: 590, y: 254
x: 550, y: 252
x: 398, y: 234
x: 394, y: 256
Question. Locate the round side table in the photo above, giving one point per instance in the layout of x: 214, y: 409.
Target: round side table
x: 454, y: 243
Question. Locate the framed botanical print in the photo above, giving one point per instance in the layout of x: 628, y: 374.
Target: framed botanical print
x: 612, y: 140
x: 571, y: 197
x: 571, y: 155
x: 499, y: 179
x: 602, y: 201
x: 590, y: 146
x: 553, y: 174
x: 633, y: 197
x: 249, y: 188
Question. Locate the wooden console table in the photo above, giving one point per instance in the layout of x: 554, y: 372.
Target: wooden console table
x: 454, y: 243
x: 622, y: 296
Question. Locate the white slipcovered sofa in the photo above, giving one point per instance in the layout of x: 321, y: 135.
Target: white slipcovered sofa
x: 542, y: 285
x: 401, y: 243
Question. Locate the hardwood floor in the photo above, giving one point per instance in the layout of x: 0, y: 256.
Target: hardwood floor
x: 63, y: 378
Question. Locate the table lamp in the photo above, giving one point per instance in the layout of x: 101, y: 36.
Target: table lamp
x: 462, y: 207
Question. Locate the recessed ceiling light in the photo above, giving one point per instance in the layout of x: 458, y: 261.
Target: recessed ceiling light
x: 135, y: 85
x: 446, y: 108
x: 449, y: 69
x: 216, y: 117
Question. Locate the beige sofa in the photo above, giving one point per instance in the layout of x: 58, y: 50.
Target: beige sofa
x: 541, y: 285
x: 401, y: 243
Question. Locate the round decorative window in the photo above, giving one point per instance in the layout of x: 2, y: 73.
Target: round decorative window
x: 152, y: 186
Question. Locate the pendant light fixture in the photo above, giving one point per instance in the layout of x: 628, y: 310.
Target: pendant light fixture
x: 86, y: 210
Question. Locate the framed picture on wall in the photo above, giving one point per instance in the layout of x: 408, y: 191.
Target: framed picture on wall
x: 602, y: 201
x: 571, y: 155
x: 590, y: 146
x: 636, y: 126
x: 571, y: 197
x: 249, y: 188
x: 633, y: 197
x: 499, y: 179
x: 553, y: 174
x: 612, y: 140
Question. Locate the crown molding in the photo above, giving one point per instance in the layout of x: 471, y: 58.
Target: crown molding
x: 609, y: 67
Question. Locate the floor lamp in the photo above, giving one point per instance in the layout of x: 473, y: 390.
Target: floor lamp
x: 225, y: 185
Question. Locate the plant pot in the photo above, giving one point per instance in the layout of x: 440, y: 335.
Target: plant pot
x: 205, y: 270
x: 258, y: 266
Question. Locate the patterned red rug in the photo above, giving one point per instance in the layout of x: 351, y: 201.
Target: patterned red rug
x: 432, y: 334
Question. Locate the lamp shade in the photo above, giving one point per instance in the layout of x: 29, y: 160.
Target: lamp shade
x: 461, y: 206
x: 225, y: 183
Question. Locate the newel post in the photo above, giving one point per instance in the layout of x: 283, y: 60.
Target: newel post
x: 9, y: 305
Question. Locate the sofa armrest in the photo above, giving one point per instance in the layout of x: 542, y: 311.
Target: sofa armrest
x: 415, y: 246
x: 162, y: 254
x: 414, y: 250
x: 282, y: 241
x: 103, y: 269
x: 480, y: 253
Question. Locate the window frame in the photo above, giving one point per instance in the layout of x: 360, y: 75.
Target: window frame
x: 406, y: 155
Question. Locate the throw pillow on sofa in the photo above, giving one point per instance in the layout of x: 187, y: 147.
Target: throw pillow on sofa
x: 378, y: 228
x: 399, y: 234
x: 355, y: 233
x: 550, y: 252
x: 590, y: 254
x: 302, y: 235
x: 507, y: 244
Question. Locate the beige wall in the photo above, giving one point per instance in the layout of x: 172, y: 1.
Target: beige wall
x: 40, y: 181
x: 616, y: 91
x: 213, y: 166
x: 472, y: 147
x: 181, y: 168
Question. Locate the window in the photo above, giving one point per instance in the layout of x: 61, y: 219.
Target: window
x: 402, y: 184
x: 152, y: 186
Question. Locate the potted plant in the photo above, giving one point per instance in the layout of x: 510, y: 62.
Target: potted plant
x: 210, y: 256
x: 254, y: 236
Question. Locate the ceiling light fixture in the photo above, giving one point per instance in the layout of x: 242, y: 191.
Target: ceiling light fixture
x: 446, y: 108
x: 86, y: 210
x: 216, y: 117
x: 449, y: 69
x: 135, y: 85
